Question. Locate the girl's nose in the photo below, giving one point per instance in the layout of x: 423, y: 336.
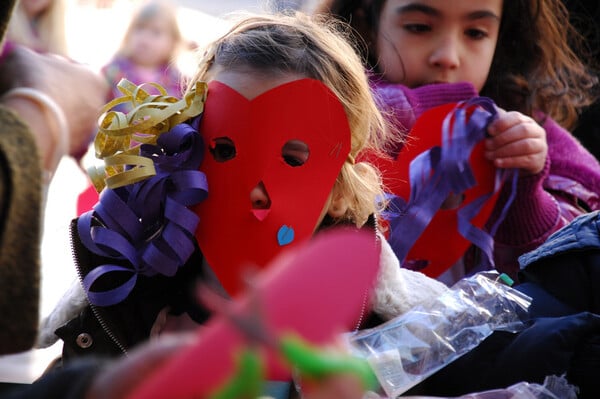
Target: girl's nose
x: 259, y: 197
x: 445, y: 54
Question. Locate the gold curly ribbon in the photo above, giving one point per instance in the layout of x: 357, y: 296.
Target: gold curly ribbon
x: 120, y: 135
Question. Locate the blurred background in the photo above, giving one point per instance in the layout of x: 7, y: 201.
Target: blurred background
x: 94, y: 30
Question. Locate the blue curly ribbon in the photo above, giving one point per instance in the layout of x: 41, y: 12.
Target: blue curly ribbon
x: 147, y: 225
x: 440, y: 171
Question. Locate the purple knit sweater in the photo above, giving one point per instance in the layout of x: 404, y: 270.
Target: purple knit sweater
x: 568, y: 185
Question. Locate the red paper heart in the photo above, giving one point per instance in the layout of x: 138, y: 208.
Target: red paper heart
x: 301, y: 293
x: 440, y: 245
x: 232, y: 234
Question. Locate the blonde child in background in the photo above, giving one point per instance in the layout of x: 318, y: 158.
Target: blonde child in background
x: 39, y: 25
x: 149, y: 49
x: 147, y: 54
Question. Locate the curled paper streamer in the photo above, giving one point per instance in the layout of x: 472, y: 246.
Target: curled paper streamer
x: 146, y: 227
x: 120, y: 135
x: 141, y: 222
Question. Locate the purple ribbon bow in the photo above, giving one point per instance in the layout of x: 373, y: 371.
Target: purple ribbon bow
x: 147, y: 226
x: 440, y: 171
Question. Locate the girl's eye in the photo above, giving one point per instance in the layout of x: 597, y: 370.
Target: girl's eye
x: 417, y: 28
x: 295, y: 153
x: 476, y: 34
x: 223, y: 149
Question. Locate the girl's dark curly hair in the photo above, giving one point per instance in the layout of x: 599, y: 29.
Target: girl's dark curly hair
x: 535, y: 67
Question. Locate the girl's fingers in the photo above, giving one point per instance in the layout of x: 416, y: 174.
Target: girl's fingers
x: 517, y: 141
x: 506, y: 133
x: 505, y: 120
x: 517, y: 148
x: 528, y: 164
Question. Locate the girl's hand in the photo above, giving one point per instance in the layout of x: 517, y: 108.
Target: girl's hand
x: 517, y: 141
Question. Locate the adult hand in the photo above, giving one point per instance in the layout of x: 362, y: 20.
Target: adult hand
x: 124, y: 375
x: 77, y: 89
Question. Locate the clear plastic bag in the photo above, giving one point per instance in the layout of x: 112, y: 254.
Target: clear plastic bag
x: 409, y: 348
x: 554, y: 387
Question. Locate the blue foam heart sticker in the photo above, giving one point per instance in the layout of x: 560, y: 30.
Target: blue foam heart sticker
x: 285, y: 235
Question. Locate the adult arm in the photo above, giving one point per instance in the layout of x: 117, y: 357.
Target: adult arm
x: 77, y: 91
x: 20, y: 229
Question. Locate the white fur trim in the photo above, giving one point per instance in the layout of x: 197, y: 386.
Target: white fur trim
x: 68, y: 307
x: 397, y: 290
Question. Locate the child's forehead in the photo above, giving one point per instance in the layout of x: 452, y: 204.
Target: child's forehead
x: 156, y: 24
x: 153, y: 13
x: 148, y: 12
x: 155, y: 19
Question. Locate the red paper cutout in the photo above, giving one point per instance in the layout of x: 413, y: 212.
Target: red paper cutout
x: 316, y: 290
x: 86, y: 200
x: 440, y: 243
x: 232, y: 236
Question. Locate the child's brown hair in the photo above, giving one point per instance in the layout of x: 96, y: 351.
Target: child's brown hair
x: 535, y: 66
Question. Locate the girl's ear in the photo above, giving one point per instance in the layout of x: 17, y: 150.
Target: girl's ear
x: 338, y: 206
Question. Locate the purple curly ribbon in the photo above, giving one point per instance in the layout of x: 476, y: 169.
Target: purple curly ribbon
x: 147, y: 225
x: 439, y: 171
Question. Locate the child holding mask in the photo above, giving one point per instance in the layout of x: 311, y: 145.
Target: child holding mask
x: 271, y: 172
x: 427, y: 53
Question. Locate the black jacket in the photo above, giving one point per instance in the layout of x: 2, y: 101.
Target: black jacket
x: 563, y: 336
x: 113, y: 330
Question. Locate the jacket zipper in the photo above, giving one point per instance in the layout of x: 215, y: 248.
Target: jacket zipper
x: 103, y: 324
x: 362, y: 311
x: 363, y: 308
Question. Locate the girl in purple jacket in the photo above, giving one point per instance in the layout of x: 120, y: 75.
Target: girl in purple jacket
x: 149, y: 50
x: 424, y: 53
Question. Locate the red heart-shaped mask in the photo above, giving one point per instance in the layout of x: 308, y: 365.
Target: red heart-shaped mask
x: 249, y: 143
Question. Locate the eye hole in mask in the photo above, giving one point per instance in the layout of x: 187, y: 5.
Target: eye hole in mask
x: 295, y: 153
x: 223, y: 149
